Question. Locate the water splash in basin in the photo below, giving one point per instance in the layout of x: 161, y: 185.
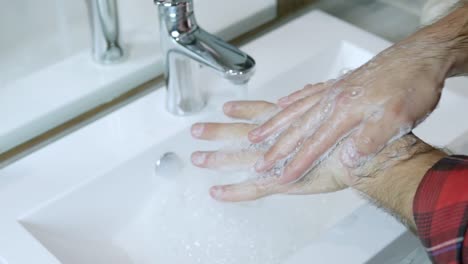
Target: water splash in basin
x: 134, y: 215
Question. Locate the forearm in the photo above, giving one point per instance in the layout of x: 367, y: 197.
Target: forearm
x: 443, y: 46
x: 447, y: 41
x: 393, y: 188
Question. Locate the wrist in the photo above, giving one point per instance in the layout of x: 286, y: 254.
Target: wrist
x: 395, y: 174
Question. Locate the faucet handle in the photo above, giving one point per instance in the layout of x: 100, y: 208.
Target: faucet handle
x: 174, y: 11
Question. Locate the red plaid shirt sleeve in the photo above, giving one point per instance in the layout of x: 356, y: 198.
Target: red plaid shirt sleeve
x: 441, y: 210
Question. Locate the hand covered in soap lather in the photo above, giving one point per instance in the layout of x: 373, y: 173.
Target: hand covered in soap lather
x: 368, y: 108
x: 329, y: 133
x: 327, y: 176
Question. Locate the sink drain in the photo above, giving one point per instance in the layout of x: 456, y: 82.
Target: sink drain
x: 169, y: 164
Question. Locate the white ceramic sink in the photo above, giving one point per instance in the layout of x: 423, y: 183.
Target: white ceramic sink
x: 95, y: 196
x: 134, y: 214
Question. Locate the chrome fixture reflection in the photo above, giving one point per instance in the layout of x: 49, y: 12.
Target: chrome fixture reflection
x: 184, y: 42
x: 104, y: 21
x: 169, y: 164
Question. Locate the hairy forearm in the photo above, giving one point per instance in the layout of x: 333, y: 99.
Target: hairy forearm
x: 460, y: 48
x: 393, y: 188
x: 447, y: 40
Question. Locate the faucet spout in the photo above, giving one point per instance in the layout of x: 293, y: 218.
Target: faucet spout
x: 213, y: 52
x: 181, y: 40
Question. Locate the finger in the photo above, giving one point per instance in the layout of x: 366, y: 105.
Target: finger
x: 324, y: 139
x: 283, y: 118
x: 316, y: 181
x: 245, y: 191
x: 221, y: 131
x: 284, y: 146
x: 225, y: 160
x: 291, y: 139
x: 372, y: 137
x: 308, y: 90
x: 248, y: 110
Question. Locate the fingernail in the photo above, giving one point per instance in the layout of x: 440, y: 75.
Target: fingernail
x: 198, y: 158
x: 197, y: 130
x: 216, y: 192
x: 228, y: 107
x: 255, y: 133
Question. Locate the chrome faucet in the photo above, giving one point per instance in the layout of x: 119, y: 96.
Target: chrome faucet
x: 104, y: 21
x: 184, y: 42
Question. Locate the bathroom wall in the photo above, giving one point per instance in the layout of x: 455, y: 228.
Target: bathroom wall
x: 377, y: 16
x: 39, y: 33
x: 46, y: 77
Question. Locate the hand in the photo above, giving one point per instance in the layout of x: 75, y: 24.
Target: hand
x: 371, y: 106
x: 363, y: 111
x: 328, y: 176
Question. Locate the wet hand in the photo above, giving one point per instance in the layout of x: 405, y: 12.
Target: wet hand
x: 328, y: 176
x: 363, y: 111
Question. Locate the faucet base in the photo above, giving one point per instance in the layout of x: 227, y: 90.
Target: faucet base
x: 185, y: 94
x: 113, y: 54
x: 184, y: 43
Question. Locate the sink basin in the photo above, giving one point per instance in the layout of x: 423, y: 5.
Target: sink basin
x: 136, y: 214
x: 98, y: 196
